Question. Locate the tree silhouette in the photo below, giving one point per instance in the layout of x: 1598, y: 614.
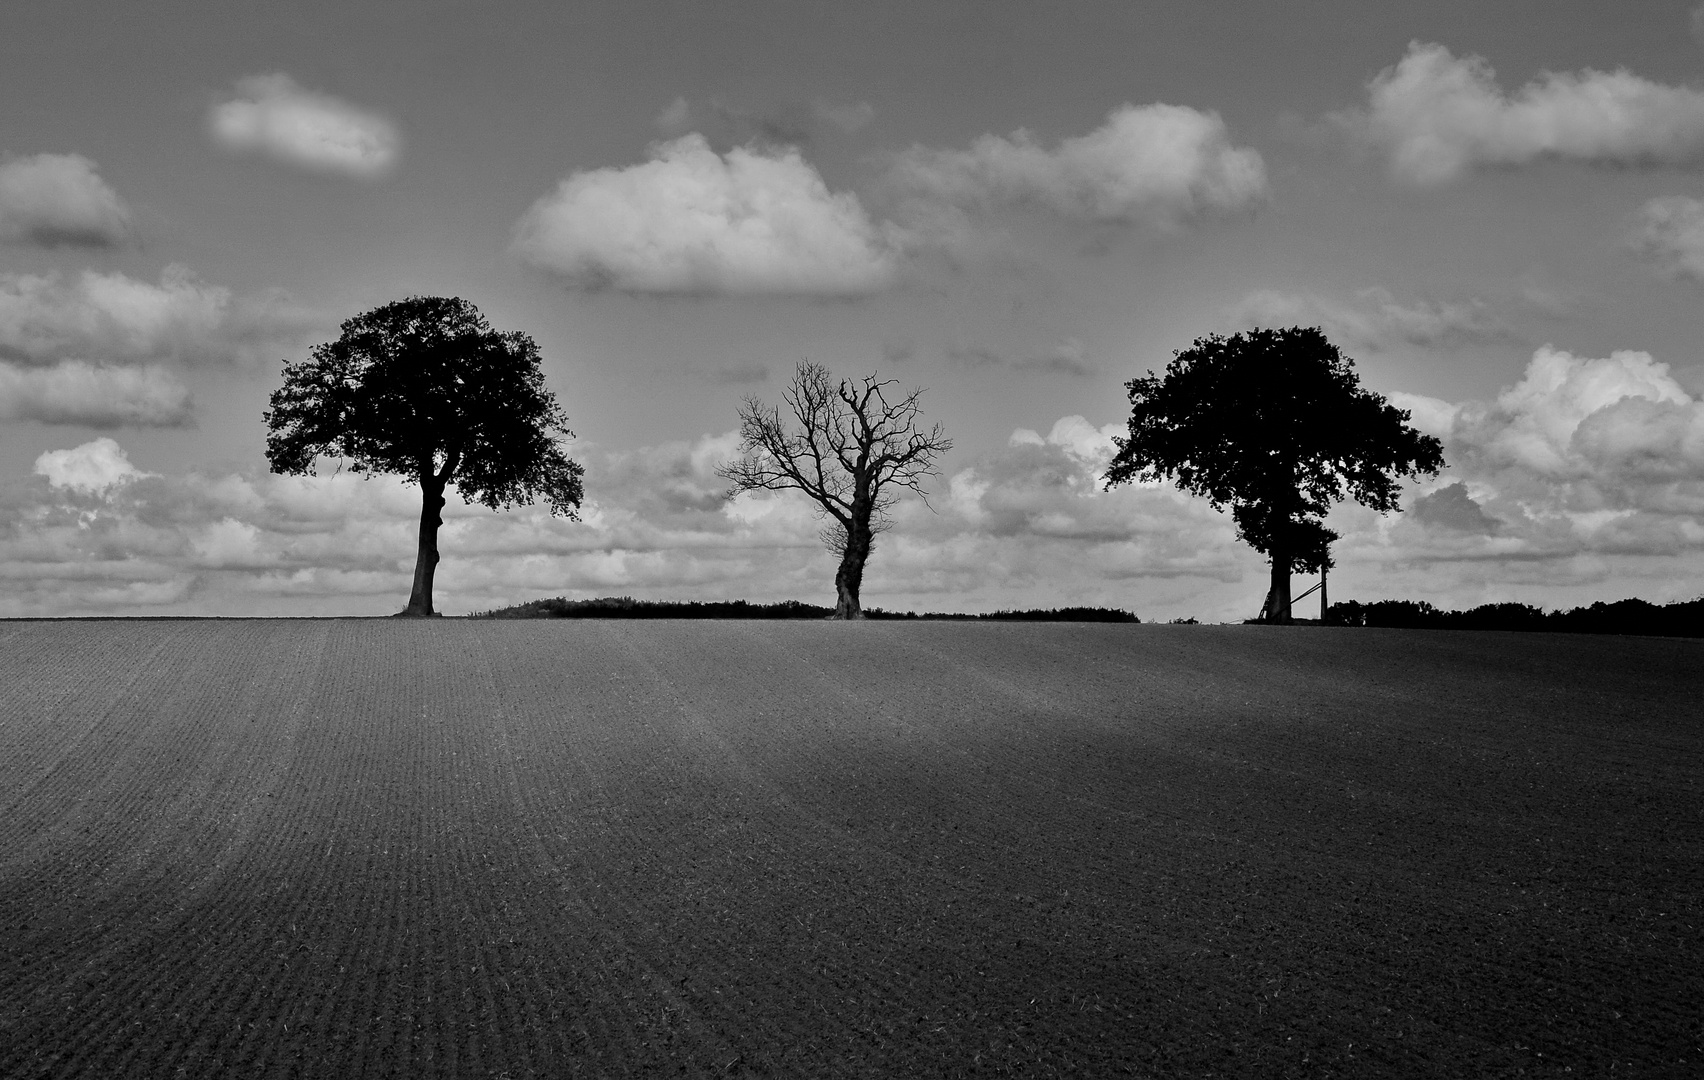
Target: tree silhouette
x: 850, y: 450
x: 1275, y: 424
x: 424, y: 388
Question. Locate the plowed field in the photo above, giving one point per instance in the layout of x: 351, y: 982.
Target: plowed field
x: 800, y: 849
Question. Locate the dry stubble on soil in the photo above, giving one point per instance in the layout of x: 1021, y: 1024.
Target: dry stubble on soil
x: 369, y: 848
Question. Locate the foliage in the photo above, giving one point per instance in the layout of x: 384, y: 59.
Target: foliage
x: 1632, y: 616
x: 1275, y: 425
x: 1064, y: 614
x: 424, y: 388
x: 625, y: 607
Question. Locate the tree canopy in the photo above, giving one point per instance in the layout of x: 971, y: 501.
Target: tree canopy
x: 425, y: 389
x: 1275, y: 424
x: 849, y: 448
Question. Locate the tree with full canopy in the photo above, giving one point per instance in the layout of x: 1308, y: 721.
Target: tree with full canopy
x: 425, y: 389
x: 1275, y: 424
x: 850, y: 451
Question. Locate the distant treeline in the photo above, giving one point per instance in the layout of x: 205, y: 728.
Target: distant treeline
x: 625, y: 607
x: 1683, y: 618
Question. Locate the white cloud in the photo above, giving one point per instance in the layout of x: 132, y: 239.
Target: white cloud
x: 1374, y: 318
x: 1091, y: 445
x: 274, y: 116
x: 1435, y: 117
x: 1157, y: 164
x: 112, y: 317
x: 1583, y: 481
x: 94, y: 395
x: 1428, y: 415
x: 1536, y: 423
x: 57, y: 200
x: 1671, y: 232
x: 228, y: 543
x: 92, y: 468
x: 691, y: 221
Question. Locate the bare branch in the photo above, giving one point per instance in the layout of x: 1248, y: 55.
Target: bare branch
x: 849, y: 446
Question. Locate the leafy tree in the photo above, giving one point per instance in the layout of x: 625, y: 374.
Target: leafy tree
x: 424, y: 388
x: 850, y: 451
x: 1275, y: 424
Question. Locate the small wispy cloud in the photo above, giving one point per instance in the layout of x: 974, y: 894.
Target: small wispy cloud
x: 1376, y: 319
x: 974, y: 357
x: 1671, y: 234
x: 1069, y: 357
x: 272, y: 115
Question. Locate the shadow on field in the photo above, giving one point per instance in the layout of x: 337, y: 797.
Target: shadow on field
x: 630, y: 848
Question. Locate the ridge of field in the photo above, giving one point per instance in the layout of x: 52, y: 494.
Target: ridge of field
x: 560, y: 848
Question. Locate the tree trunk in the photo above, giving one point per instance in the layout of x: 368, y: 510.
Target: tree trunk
x: 1278, y: 600
x: 426, y: 564
x: 850, y: 576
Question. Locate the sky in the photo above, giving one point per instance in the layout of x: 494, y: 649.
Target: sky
x: 1496, y: 209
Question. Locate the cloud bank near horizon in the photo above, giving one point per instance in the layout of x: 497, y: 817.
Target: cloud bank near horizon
x: 1584, y: 478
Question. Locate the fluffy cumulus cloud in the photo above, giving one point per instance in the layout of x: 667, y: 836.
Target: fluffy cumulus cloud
x: 1584, y: 480
x: 1671, y: 233
x: 90, y: 469
x: 1375, y: 319
x: 1155, y: 164
x: 695, y: 222
x: 1435, y: 117
x: 1574, y: 417
x: 94, y: 395
x: 112, y: 317
x: 271, y: 114
x: 54, y: 200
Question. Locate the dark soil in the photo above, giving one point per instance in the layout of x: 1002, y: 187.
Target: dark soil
x: 789, y: 849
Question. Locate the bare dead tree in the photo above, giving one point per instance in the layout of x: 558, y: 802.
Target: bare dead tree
x: 851, y: 450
